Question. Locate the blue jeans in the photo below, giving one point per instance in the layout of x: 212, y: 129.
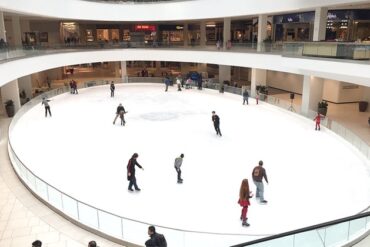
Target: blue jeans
x: 259, y: 190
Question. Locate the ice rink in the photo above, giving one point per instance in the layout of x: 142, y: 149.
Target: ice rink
x: 314, y: 176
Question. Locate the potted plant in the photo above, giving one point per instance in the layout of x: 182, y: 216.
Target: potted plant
x: 322, y: 107
x: 9, y: 107
x: 362, y: 106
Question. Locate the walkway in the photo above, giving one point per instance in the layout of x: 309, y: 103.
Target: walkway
x: 23, y: 218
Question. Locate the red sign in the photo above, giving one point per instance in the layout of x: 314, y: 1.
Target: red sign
x: 139, y: 28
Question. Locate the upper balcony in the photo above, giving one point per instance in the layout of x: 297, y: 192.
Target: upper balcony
x: 164, y: 10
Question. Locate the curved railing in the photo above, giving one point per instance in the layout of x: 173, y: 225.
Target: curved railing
x: 351, y: 51
x: 122, y: 228
x: 333, y: 233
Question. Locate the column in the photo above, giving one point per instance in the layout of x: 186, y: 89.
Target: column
x: 258, y: 78
x: 17, y: 34
x: 2, y: 27
x: 226, y: 32
x: 186, y: 34
x: 202, y: 33
x: 224, y: 73
x: 312, y: 93
x: 123, y: 71
x: 25, y: 84
x: 10, y: 91
x: 158, y: 71
x: 262, y: 31
x: 319, y: 28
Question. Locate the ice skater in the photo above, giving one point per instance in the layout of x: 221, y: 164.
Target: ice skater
x: 244, y: 195
x: 122, y: 117
x: 257, y: 97
x: 216, y: 123
x: 178, y: 82
x: 166, y: 82
x: 45, y: 102
x: 258, y: 174
x: 178, y: 163
x: 120, y: 109
x: 317, y: 120
x: 112, y: 88
x: 245, y: 96
x: 131, y: 172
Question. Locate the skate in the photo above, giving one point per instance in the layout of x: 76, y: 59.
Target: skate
x: 263, y: 202
x: 179, y: 181
x: 130, y: 189
x: 245, y: 224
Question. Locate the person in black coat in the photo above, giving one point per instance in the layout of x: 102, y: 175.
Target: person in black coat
x: 131, y: 172
x: 112, y: 88
x: 156, y: 239
x: 216, y: 123
x: 120, y: 109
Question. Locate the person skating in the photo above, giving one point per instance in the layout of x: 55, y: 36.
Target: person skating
x: 178, y: 82
x: 45, y: 102
x: 167, y: 82
x: 245, y: 96
x: 178, y: 163
x: 244, y: 195
x: 131, y: 172
x: 74, y: 84
x: 120, y: 109
x: 216, y: 123
x: 258, y: 174
x: 257, y: 97
x: 112, y: 88
x: 317, y: 120
x: 122, y: 117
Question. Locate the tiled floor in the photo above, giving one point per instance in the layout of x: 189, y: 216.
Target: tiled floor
x: 24, y: 219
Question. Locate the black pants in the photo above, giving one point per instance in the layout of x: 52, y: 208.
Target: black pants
x: 166, y: 87
x: 123, y: 122
x: 133, y: 183
x: 47, y: 109
x: 111, y: 93
x: 245, y: 100
x: 178, y: 170
x: 217, y: 128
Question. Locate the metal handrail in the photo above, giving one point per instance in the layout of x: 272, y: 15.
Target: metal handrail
x: 304, y: 229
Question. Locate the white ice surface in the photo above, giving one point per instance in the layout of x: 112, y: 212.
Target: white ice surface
x: 314, y: 176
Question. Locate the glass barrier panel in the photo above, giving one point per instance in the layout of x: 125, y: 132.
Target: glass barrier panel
x: 314, y: 238
x: 55, y: 197
x: 110, y: 224
x: 70, y: 206
x: 41, y: 189
x: 368, y: 222
x: 336, y: 234
x: 31, y: 180
x: 88, y: 215
x: 287, y: 241
x: 357, y: 227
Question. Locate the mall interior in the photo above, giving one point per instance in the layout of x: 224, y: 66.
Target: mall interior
x: 307, y: 57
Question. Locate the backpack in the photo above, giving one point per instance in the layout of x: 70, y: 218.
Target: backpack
x: 161, y: 240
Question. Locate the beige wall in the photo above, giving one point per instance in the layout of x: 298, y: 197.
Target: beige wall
x: 39, y: 79
x: 341, y: 92
x: 285, y: 81
x: 51, y: 27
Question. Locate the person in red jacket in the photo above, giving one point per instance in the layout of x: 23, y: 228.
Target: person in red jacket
x: 317, y: 119
x: 131, y: 172
x: 244, y: 195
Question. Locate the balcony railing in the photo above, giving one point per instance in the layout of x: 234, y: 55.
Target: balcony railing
x: 350, y: 51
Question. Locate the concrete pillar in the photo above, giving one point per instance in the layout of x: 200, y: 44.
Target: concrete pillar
x: 262, y: 31
x: 10, y: 91
x: 224, y: 73
x: 25, y: 83
x: 123, y: 71
x: 203, y: 38
x: 186, y: 34
x: 319, y: 28
x: 258, y: 78
x: 17, y: 34
x: 311, y: 94
x: 2, y: 27
x: 227, y: 31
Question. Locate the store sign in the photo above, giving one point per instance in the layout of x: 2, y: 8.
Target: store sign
x: 139, y: 28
